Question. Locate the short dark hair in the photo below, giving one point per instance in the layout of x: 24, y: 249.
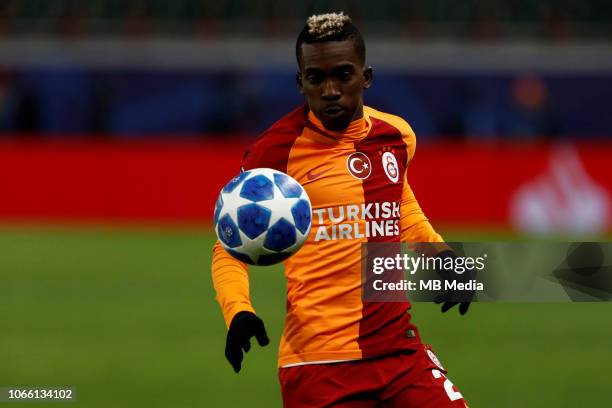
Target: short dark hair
x: 330, y: 27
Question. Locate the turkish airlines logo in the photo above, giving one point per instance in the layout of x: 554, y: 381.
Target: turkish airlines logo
x: 390, y: 166
x: 359, y: 165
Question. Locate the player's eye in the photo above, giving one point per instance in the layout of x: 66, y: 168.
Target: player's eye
x: 314, y: 78
x: 345, y: 76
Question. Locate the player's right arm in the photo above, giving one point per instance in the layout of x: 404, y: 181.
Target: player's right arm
x: 231, y: 282
x: 230, y: 276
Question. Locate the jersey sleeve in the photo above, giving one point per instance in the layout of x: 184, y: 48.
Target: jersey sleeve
x: 414, y: 225
x: 231, y: 282
x: 230, y: 276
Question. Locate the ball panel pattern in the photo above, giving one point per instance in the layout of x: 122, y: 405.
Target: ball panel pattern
x: 240, y: 256
x: 235, y: 182
x: 257, y: 188
x: 228, y: 232
x: 301, y: 215
x: 280, y: 236
x: 262, y: 216
x: 287, y: 186
x: 218, y: 207
x: 253, y: 220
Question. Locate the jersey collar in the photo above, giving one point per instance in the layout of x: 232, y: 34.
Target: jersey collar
x: 356, y: 130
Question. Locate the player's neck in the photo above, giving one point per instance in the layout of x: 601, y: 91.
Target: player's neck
x: 357, y: 129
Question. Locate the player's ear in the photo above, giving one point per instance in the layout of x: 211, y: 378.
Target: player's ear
x: 368, y: 76
x: 298, y: 81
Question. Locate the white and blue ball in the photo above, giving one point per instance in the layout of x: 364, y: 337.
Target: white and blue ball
x: 262, y: 216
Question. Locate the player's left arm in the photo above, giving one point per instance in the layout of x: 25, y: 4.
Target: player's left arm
x: 416, y: 229
x: 414, y: 225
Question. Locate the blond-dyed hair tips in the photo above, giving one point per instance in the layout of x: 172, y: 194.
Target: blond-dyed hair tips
x: 325, y: 25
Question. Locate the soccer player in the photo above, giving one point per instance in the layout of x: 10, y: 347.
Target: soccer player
x: 338, y: 350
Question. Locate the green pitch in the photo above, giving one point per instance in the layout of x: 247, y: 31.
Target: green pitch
x: 128, y: 318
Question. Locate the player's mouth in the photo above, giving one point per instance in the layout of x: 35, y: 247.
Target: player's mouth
x: 333, y: 110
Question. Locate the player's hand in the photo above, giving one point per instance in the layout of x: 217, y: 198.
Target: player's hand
x: 452, y: 298
x: 446, y: 306
x: 243, y: 326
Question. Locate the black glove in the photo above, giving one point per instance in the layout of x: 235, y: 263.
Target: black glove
x: 243, y: 326
x: 451, y: 298
x: 463, y: 306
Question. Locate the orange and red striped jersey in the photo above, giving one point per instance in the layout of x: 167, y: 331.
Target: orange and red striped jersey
x: 356, y: 180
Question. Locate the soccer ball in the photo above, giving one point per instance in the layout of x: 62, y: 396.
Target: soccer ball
x: 262, y: 216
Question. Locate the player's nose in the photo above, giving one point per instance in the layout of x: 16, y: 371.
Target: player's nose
x: 331, y: 90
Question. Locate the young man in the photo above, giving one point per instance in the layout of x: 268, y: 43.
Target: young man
x: 338, y: 350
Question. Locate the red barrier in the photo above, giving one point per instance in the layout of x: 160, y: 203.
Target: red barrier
x: 114, y: 180
x: 535, y: 187
x: 179, y: 181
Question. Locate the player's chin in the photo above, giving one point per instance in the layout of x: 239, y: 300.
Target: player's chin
x: 335, y: 123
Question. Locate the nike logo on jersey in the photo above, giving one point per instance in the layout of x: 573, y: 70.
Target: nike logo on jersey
x: 312, y: 176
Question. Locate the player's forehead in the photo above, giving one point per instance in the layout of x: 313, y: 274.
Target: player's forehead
x: 329, y: 55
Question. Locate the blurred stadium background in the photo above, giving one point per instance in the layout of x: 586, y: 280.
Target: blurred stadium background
x: 120, y: 121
